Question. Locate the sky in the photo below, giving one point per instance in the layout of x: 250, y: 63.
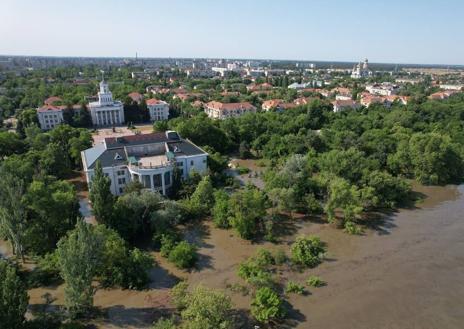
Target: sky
x: 394, y: 31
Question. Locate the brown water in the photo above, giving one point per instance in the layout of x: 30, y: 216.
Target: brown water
x: 408, y: 272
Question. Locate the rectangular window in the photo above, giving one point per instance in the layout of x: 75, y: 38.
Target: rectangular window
x: 157, y: 180
x: 121, y: 181
x: 191, y: 162
x: 167, y: 178
x: 180, y: 164
x: 120, y: 190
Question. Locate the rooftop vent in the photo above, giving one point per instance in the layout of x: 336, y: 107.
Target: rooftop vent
x: 176, y: 149
x: 117, y: 156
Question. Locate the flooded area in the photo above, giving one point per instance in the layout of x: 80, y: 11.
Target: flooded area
x: 405, y: 272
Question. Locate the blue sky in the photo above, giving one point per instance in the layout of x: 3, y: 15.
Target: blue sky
x: 406, y: 31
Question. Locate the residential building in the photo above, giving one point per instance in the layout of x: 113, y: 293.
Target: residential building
x: 340, y: 105
x: 159, y: 110
x: 443, y: 94
x: 147, y: 158
x: 383, y: 89
x: 452, y: 87
x: 259, y: 87
x: 277, y: 104
x: 105, y: 111
x: 218, y: 110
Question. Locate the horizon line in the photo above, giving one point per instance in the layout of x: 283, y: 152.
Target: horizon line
x: 228, y: 58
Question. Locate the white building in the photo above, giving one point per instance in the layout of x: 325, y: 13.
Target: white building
x: 452, y: 87
x: 383, y: 89
x: 105, y: 111
x: 361, y: 70
x: 340, y: 105
x: 218, y: 110
x: 147, y: 158
x: 50, y: 116
x: 159, y: 110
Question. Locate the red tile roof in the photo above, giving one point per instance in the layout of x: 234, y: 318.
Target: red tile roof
x: 230, y: 106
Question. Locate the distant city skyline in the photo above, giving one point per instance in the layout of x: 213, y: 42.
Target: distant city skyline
x: 403, y: 32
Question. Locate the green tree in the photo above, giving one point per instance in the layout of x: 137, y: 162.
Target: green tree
x: 13, y: 297
x: 79, y: 259
x: 100, y: 195
x: 247, y: 210
x: 13, y: 221
x: 202, y: 200
x: 343, y: 196
x: 307, y: 251
x: 183, y: 255
x: 207, y: 309
x: 267, y: 306
x: 220, y: 210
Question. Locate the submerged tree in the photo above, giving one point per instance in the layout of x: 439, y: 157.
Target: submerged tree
x: 79, y: 258
x: 13, y: 297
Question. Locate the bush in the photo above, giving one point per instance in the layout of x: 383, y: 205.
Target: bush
x: 179, y: 295
x: 164, y: 323
x: 352, y: 228
x: 267, y: 306
x: 254, y: 274
x: 315, y: 281
x: 264, y: 257
x: 307, y: 251
x: 168, y: 242
x: 243, y: 170
x: 293, y: 287
x: 280, y: 257
x: 183, y: 255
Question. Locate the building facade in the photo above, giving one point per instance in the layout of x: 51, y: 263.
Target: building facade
x: 218, y: 110
x: 50, y: 116
x: 105, y: 111
x: 159, y: 110
x: 147, y: 158
x: 361, y: 70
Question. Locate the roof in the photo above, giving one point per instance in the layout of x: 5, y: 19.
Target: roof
x: 51, y: 100
x: 135, y: 96
x: 113, y: 151
x: 154, y: 101
x: 51, y: 108
x: 140, y: 139
x: 345, y: 103
x: 230, y: 106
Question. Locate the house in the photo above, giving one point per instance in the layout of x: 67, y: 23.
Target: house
x: 383, y: 89
x: 136, y: 97
x: 218, y: 110
x: 277, y: 104
x: 340, y: 105
x: 369, y: 99
x: 259, y: 87
x: 147, y: 158
x: 442, y: 94
x: 159, y: 110
x: 452, y: 87
x: 105, y: 111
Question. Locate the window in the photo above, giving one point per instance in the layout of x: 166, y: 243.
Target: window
x: 157, y: 180
x: 180, y: 164
x: 204, y: 160
x: 191, y: 162
x: 120, y: 190
x: 121, y: 172
x: 167, y: 178
x: 121, y: 181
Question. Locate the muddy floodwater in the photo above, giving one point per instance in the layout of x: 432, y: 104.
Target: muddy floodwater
x: 405, y: 272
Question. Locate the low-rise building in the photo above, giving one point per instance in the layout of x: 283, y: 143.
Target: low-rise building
x: 159, y: 110
x: 50, y: 116
x: 452, y: 87
x: 340, y: 105
x: 277, y: 104
x: 218, y: 110
x: 443, y: 94
x: 147, y: 158
x: 383, y: 89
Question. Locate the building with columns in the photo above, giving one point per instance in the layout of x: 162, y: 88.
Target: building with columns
x: 147, y: 158
x: 105, y: 111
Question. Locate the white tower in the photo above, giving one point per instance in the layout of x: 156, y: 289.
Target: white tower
x: 105, y: 97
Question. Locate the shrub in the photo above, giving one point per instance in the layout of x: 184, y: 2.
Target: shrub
x: 267, y: 306
x: 164, y: 323
x: 264, y: 257
x: 243, y: 170
x: 280, y: 257
x: 307, y: 251
x: 183, y: 255
x: 315, y: 281
x: 352, y: 228
x: 179, y: 295
x: 168, y: 242
x: 293, y: 287
x: 254, y: 274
